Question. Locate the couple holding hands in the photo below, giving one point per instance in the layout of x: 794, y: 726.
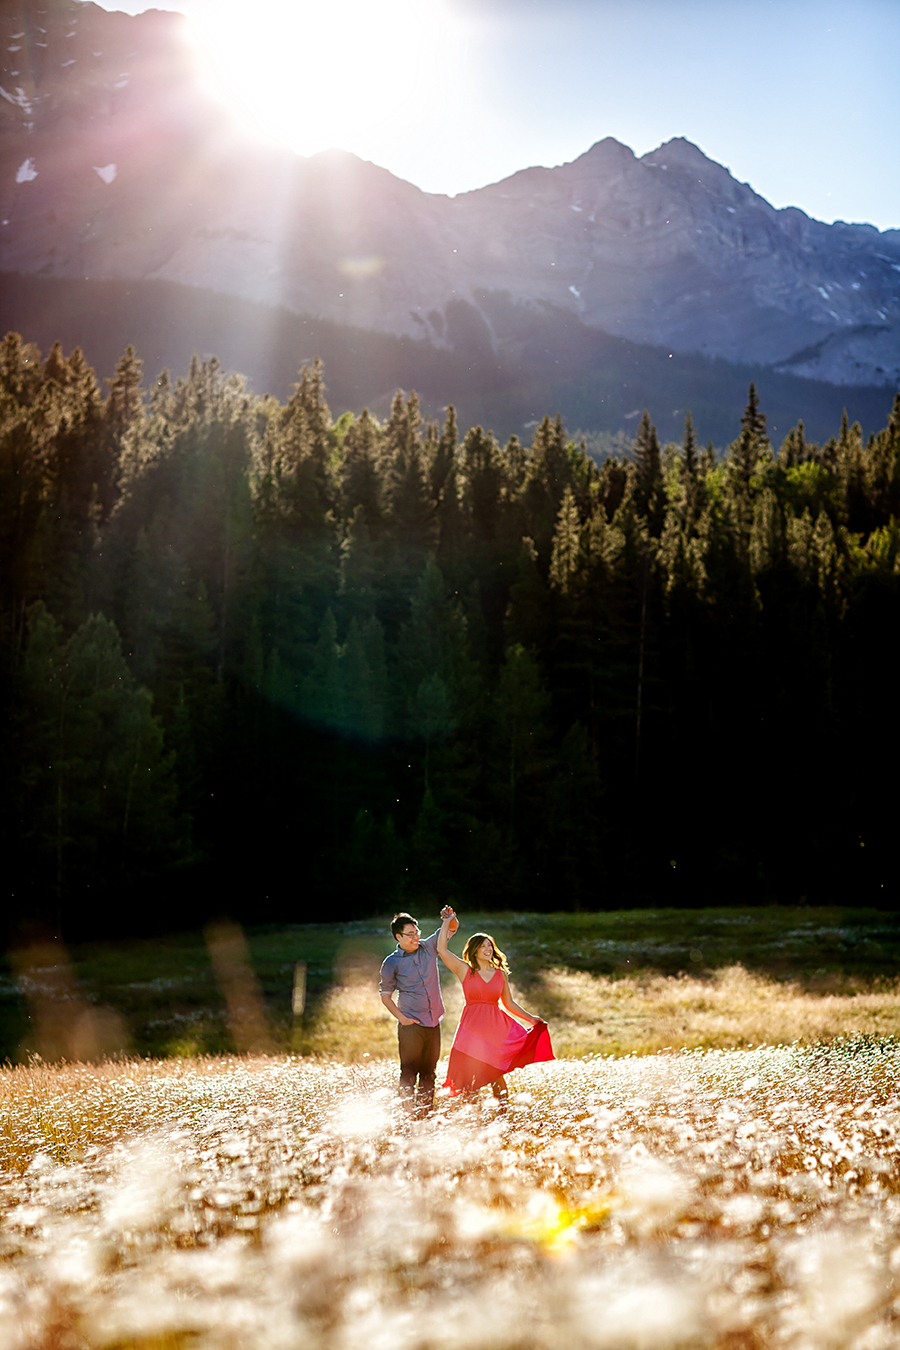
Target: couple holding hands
x: 488, y: 1041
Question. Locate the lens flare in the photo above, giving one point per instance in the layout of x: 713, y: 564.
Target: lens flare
x: 348, y: 74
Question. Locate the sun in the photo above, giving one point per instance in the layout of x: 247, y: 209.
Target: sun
x: 371, y: 76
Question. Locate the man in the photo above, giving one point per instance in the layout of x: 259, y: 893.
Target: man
x: 412, y: 973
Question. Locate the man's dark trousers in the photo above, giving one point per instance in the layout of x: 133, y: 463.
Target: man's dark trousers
x: 420, y: 1050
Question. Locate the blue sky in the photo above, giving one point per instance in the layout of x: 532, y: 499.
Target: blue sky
x: 800, y: 98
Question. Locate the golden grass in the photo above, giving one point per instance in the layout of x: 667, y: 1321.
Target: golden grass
x: 351, y: 1024
x: 729, y: 1008
x: 640, y: 1014
x: 207, y: 994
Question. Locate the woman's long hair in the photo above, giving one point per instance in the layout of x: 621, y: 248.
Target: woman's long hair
x: 470, y: 952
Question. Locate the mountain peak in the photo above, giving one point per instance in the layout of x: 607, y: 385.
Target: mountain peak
x: 607, y: 151
x: 346, y: 166
x: 681, y: 153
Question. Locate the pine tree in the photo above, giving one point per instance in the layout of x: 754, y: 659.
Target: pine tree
x: 362, y: 687
x: 125, y: 402
x: 371, y: 865
x: 851, y: 470
x: 708, y: 460
x: 844, y: 437
x: 649, y: 493
x: 450, y: 526
x: 443, y: 459
x: 376, y: 662
x: 694, y: 477
x: 295, y: 543
x: 21, y: 372
x: 430, y: 855
x: 883, y: 469
x: 746, y: 450
x: 26, y: 498
x: 402, y: 429
x: 482, y: 471
x: 430, y: 717
x: 359, y: 478
x: 410, y: 513
x: 295, y: 469
x: 96, y: 782
x: 689, y: 448
x: 767, y: 537
x: 515, y: 462
x: 574, y: 820
x: 566, y: 555
x: 359, y: 567
x: 792, y: 447
x: 753, y: 422
x: 521, y: 705
x: 433, y: 640
x: 309, y: 395
x: 321, y: 688
x: 547, y: 477
x: 528, y: 615
x: 63, y: 424
x: 613, y: 481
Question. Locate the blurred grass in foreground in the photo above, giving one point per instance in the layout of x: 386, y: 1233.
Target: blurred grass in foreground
x: 630, y: 981
x: 739, y: 1200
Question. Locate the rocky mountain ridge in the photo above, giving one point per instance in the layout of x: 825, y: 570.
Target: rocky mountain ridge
x: 114, y: 164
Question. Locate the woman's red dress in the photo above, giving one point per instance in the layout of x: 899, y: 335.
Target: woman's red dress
x: 488, y: 1042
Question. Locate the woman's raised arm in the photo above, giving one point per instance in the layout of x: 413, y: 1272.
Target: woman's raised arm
x: 459, y: 968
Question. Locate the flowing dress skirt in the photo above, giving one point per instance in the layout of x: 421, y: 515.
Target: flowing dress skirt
x: 488, y: 1042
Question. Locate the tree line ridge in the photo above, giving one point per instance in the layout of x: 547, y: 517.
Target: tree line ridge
x: 257, y: 659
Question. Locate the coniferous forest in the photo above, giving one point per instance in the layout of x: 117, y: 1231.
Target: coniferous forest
x: 257, y: 660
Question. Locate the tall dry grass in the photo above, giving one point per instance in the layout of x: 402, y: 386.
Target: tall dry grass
x: 351, y: 1024
x: 730, y: 1008
x: 640, y: 1014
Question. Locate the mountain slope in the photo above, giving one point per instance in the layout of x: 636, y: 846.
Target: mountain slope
x: 598, y: 382
x: 115, y: 164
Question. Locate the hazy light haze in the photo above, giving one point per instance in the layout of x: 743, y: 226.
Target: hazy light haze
x: 797, y: 97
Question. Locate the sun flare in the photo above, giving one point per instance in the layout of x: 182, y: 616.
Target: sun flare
x: 349, y: 73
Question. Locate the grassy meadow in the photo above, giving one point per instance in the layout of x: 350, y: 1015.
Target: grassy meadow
x: 711, y: 1164
x: 610, y: 983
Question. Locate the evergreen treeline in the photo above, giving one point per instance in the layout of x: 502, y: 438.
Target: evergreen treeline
x: 503, y: 362
x: 258, y: 660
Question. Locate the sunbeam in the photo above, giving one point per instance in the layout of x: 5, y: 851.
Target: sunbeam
x: 348, y: 74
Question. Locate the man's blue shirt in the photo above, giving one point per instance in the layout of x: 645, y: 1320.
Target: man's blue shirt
x: 414, y: 975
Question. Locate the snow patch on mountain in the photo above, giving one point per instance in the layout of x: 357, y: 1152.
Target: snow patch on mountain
x: 19, y: 99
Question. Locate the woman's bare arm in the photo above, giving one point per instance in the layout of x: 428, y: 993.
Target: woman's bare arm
x: 459, y: 968
x: 512, y: 1006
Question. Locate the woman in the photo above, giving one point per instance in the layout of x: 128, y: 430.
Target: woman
x: 488, y: 1043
